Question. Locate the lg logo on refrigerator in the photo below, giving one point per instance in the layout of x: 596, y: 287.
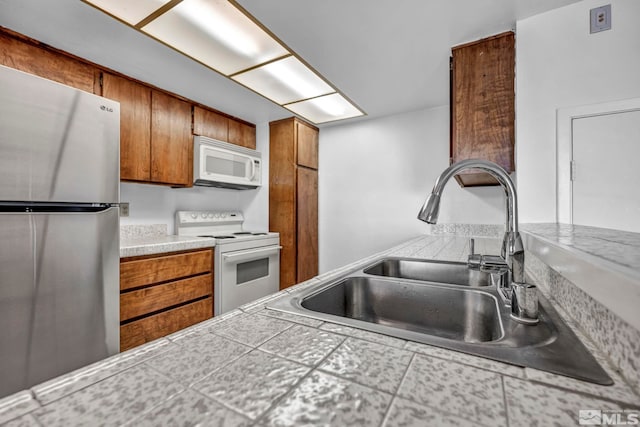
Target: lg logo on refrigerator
x: 105, y: 108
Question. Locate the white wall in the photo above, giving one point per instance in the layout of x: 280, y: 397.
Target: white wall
x: 375, y: 175
x: 560, y: 64
x: 154, y: 204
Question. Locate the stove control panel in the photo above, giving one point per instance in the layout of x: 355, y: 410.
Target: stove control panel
x: 208, y: 217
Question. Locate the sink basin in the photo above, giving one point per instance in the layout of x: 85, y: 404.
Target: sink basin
x: 450, y: 313
x: 439, y: 303
x: 454, y: 273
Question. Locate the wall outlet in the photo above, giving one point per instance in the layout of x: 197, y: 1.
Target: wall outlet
x: 124, y: 209
x: 600, y: 19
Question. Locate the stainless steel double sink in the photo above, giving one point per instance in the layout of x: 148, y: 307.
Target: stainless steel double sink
x: 449, y: 305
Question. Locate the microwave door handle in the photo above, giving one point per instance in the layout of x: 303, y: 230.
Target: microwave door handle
x: 250, y: 255
x: 253, y: 169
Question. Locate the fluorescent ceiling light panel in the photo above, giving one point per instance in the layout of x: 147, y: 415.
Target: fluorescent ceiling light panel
x: 284, y: 81
x: 130, y: 11
x: 217, y: 34
x: 325, y: 108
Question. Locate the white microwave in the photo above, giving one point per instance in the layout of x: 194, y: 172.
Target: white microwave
x: 220, y: 164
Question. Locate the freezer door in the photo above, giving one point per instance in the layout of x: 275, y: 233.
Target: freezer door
x: 59, y: 294
x: 57, y: 143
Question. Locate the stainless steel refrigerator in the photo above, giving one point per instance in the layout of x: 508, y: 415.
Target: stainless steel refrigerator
x: 59, y: 229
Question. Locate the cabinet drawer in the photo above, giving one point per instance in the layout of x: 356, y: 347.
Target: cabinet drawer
x: 148, y: 329
x: 148, y: 271
x: 148, y: 300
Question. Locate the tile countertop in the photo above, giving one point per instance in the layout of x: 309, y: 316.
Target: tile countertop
x: 137, y: 240
x: 256, y: 366
x: 603, y: 263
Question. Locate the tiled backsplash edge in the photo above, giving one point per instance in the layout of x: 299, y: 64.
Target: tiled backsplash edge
x: 138, y: 231
x: 616, y: 338
x: 471, y: 230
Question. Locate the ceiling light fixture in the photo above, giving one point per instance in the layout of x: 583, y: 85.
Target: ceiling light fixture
x: 325, y: 108
x: 224, y: 37
x: 284, y: 81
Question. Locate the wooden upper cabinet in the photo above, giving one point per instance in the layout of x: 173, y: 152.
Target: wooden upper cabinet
x: 171, y: 143
x: 242, y: 134
x: 42, y: 62
x: 210, y: 124
x: 155, y: 133
x: 156, y: 136
x: 218, y: 126
x: 135, y: 126
x: 307, y: 138
x: 483, y: 105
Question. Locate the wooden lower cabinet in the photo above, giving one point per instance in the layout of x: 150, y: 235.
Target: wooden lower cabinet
x: 167, y: 322
x: 161, y: 294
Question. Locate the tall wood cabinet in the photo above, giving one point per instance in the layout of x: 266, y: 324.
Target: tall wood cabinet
x: 483, y: 105
x: 293, y: 197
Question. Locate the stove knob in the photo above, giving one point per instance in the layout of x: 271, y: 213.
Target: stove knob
x: 194, y: 215
x: 210, y: 215
x: 223, y: 215
x: 204, y: 215
x: 217, y: 215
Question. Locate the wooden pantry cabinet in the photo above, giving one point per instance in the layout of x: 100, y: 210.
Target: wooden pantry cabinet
x: 155, y: 133
x: 162, y: 294
x: 214, y: 125
x: 483, y: 105
x: 293, y: 197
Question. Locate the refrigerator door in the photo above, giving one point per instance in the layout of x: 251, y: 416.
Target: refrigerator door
x: 57, y: 143
x: 59, y: 294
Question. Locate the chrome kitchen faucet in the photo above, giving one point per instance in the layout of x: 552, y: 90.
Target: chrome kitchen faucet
x: 507, y: 268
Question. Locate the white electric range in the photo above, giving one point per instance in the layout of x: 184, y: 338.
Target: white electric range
x: 246, y: 263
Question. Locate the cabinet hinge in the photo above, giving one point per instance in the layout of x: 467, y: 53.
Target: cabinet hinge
x: 572, y: 170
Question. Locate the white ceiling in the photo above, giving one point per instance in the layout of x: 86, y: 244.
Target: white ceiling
x: 388, y: 56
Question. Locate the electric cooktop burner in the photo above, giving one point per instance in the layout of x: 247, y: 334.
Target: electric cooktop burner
x: 220, y: 237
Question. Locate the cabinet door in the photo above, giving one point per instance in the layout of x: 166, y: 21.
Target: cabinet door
x: 171, y: 144
x: 307, y: 138
x: 210, y: 124
x: 135, y: 126
x: 307, y: 202
x: 483, y: 111
x: 242, y: 134
x: 282, y: 196
x: 32, y: 59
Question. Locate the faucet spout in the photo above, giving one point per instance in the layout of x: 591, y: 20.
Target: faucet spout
x: 512, y: 247
x: 429, y: 211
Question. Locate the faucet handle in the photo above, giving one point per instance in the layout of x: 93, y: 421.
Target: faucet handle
x: 491, y: 263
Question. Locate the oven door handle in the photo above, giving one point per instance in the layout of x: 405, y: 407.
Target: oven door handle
x: 250, y: 255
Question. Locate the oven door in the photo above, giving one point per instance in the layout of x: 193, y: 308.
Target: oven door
x: 246, y: 275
